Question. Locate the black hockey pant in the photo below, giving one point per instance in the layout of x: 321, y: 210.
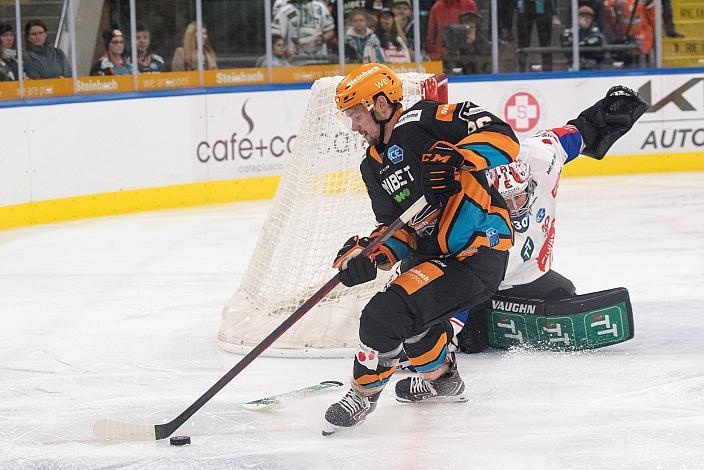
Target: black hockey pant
x: 412, y: 314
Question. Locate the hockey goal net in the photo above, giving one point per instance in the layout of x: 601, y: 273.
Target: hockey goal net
x: 320, y: 202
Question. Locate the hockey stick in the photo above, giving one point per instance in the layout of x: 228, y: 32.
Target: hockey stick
x: 118, y: 430
x: 276, y: 401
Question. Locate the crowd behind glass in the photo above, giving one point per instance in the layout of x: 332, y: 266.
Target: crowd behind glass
x: 532, y: 35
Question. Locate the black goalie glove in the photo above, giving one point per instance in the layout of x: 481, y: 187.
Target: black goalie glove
x: 608, y: 119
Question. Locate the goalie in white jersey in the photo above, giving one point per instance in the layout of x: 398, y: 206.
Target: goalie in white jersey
x: 530, y: 186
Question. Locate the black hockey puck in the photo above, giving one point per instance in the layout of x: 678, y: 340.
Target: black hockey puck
x: 180, y: 440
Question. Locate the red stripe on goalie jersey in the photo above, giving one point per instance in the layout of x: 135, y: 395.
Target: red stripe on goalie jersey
x: 474, y: 193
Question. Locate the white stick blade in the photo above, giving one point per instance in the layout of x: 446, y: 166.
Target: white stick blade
x: 121, y: 431
x: 262, y: 405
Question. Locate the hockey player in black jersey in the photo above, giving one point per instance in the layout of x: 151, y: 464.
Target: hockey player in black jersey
x: 459, y: 241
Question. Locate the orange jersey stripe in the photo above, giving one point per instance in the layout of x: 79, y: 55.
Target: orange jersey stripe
x: 472, y: 190
x: 508, y: 148
x: 431, y: 355
x: 371, y: 378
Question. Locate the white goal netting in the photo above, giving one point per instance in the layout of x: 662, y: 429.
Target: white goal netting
x: 320, y: 202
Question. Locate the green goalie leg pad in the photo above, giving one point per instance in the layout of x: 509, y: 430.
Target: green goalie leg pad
x: 582, y: 322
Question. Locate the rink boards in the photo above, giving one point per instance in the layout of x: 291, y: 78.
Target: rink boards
x: 77, y: 158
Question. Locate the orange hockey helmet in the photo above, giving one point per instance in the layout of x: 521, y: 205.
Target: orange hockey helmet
x: 364, y: 83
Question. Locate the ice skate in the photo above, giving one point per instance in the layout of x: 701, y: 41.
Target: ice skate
x: 351, y: 410
x: 447, y: 388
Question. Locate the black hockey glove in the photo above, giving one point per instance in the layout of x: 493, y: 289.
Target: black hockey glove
x: 355, y: 269
x: 603, y: 123
x: 440, y: 163
x: 360, y: 269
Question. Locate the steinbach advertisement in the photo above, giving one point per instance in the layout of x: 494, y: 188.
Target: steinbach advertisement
x: 674, y: 122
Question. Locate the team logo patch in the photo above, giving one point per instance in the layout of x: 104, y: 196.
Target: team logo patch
x: 493, y: 235
x: 395, y: 154
x: 540, y: 215
x: 527, y: 250
x: 367, y: 356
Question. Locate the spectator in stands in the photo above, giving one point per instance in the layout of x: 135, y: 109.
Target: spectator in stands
x: 349, y: 7
x: 147, y: 61
x: 506, y: 9
x: 186, y: 57
x: 404, y: 21
x: 444, y: 13
x: 41, y: 59
x: 589, y: 35
x: 306, y: 26
x: 632, y: 21
x: 276, y: 6
x: 114, y: 61
x: 667, y: 20
x: 474, y: 50
x: 386, y: 45
x: 278, y: 53
x: 540, y: 13
x: 597, y: 7
x: 357, y: 36
x: 9, y: 70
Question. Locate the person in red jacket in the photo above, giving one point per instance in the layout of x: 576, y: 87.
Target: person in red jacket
x: 638, y: 26
x: 444, y: 13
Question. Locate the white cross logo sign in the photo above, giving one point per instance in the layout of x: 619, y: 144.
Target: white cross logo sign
x: 522, y: 111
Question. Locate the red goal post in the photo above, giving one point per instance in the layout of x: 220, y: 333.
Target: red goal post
x: 320, y: 202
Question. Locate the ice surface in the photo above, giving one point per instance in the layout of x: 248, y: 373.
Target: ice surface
x: 117, y: 318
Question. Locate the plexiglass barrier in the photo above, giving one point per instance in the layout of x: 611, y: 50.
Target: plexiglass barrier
x: 52, y: 49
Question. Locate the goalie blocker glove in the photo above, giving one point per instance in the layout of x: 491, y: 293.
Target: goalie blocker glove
x: 603, y: 123
x: 440, y: 163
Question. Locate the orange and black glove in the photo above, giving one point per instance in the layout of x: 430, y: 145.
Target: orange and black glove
x: 440, y: 165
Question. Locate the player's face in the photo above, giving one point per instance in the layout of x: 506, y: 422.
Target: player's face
x: 516, y: 203
x: 361, y: 122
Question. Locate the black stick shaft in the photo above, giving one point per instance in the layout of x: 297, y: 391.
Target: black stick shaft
x: 165, y: 430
